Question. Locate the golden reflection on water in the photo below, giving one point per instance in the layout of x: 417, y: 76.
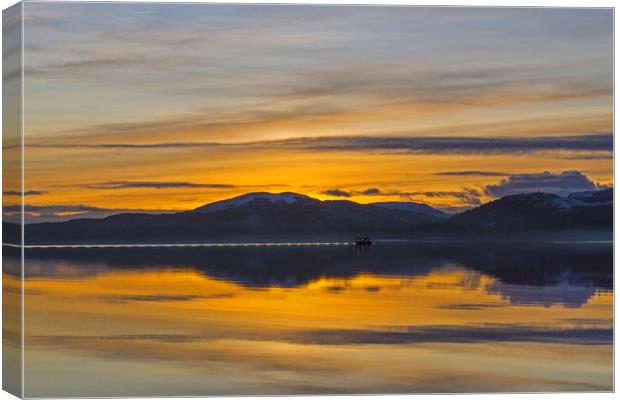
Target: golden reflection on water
x: 179, y: 331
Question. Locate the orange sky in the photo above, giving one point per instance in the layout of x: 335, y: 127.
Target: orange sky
x: 156, y: 117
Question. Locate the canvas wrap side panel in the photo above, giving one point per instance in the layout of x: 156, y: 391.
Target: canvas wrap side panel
x: 12, y: 199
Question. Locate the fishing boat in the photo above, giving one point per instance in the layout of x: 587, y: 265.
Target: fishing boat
x: 362, y: 240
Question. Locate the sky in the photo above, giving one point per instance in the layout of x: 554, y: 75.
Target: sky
x: 169, y: 107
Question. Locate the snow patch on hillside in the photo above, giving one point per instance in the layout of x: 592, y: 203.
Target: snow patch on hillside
x: 285, y: 197
x: 411, y: 207
x: 589, y: 198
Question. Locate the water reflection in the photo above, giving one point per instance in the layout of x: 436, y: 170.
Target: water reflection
x: 399, y: 317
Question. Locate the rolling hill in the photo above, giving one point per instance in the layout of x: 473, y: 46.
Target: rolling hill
x: 290, y: 217
x: 252, y: 216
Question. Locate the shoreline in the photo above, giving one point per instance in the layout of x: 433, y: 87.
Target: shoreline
x: 306, y: 243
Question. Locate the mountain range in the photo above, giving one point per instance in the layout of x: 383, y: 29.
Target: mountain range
x: 293, y: 217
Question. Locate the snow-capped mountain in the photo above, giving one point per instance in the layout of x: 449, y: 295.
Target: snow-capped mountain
x: 590, y: 198
x: 285, y: 216
x: 255, y: 197
x: 289, y: 198
x: 257, y: 215
x: 532, y: 211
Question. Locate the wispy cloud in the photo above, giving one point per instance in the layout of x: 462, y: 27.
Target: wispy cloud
x: 595, y: 144
x: 466, y: 196
x: 456, y: 145
x: 154, y: 185
x: 26, y: 193
x: 91, y: 65
x: 302, y: 106
x: 113, y: 185
x: 171, y: 145
x: 446, y: 89
x: 472, y: 173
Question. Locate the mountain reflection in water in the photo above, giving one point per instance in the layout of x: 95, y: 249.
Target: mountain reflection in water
x: 398, y: 317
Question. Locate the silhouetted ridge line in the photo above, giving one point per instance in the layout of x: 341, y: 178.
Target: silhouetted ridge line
x: 289, y: 217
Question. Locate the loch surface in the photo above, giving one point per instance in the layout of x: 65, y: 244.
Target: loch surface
x: 396, y: 317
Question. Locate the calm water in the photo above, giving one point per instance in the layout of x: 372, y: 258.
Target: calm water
x: 397, y: 317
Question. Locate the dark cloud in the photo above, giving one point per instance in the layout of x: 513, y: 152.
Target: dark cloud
x: 564, y: 293
x: 349, y: 193
x: 455, y: 145
x: 171, y: 145
x: 128, y: 298
x: 466, y: 196
x: 482, y: 333
x: 588, y: 156
x: 595, y: 145
x: 561, y: 184
x: 52, y: 208
x: 64, y: 212
x: 470, y: 306
x: 154, y: 185
x: 337, y: 193
x: 26, y: 193
x: 472, y: 173
x: 371, y: 192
